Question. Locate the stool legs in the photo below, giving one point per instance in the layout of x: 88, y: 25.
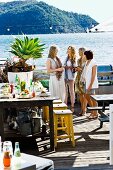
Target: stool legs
x: 66, y: 126
x: 55, y: 129
x: 71, y: 130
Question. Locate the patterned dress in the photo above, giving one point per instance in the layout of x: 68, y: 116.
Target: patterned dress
x: 79, y: 87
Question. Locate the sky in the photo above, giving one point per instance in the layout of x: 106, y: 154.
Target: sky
x: 100, y: 10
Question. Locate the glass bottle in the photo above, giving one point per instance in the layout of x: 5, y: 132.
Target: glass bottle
x: 33, y: 90
x: 17, y: 84
x: 16, y: 79
x: 23, y: 85
x: 17, y: 156
x: 31, y: 85
x: 8, y: 145
x: 7, y: 158
x: 17, y: 150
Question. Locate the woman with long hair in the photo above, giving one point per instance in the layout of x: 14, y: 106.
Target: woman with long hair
x: 55, y: 69
x: 69, y: 65
x: 79, y: 89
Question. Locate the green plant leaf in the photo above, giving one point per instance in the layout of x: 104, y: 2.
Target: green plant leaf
x: 27, y: 48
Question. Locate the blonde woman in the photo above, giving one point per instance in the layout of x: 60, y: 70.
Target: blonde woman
x: 55, y: 69
x: 79, y: 89
x: 70, y: 65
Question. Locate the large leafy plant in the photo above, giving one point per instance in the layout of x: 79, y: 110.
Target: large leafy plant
x: 25, y: 49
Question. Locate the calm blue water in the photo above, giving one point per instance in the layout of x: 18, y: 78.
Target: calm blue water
x: 100, y: 43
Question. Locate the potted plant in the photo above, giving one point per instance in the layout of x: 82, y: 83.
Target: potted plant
x: 24, y: 49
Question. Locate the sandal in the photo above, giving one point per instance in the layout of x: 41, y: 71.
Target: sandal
x: 92, y: 116
x: 81, y: 113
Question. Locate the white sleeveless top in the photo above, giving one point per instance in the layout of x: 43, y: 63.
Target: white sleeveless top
x: 87, y: 73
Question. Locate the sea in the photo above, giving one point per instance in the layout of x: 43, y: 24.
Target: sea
x: 100, y: 43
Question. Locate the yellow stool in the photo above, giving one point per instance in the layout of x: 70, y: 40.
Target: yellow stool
x: 59, y: 106
x: 67, y: 126
x: 57, y: 101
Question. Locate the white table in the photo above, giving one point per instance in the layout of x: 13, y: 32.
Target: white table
x: 27, y: 160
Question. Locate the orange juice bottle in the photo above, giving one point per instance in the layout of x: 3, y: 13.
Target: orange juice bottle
x: 7, y: 158
x: 33, y: 94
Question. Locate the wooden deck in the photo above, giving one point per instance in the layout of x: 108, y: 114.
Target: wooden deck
x: 92, y: 145
x: 91, y: 149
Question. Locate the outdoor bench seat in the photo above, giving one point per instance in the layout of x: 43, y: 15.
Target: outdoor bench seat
x: 97, y: 108
x: 103, y: 117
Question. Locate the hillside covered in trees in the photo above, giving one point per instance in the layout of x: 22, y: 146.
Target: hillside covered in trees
x: 33, y: 17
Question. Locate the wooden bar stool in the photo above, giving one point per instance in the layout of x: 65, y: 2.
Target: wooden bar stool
x: 67, y: 126
x: 59, y: 106
x: 57, y: 101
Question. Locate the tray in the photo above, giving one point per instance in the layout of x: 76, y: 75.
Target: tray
x: 24, y: 97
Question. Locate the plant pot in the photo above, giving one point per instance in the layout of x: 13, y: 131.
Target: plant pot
x: 23, y: 76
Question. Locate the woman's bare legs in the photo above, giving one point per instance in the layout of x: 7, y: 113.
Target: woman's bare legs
x: 66, y: 97
x: 91, y: 103
x: 83, y: 103
x: 72, y: 92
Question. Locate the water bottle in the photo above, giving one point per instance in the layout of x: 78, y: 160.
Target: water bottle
x: 17, y: 150
x: 17, y: 156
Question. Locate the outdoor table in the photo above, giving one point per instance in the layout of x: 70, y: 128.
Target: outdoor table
x: 32, y: 102
x: 28, y: 162
x: 103, y: 98
x: 107, y: 98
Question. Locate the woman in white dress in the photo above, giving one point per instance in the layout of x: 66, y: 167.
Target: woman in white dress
x: 55, y: 69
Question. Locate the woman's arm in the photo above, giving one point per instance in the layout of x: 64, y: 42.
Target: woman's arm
x: 94, y: 68
x: 50, y: 70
